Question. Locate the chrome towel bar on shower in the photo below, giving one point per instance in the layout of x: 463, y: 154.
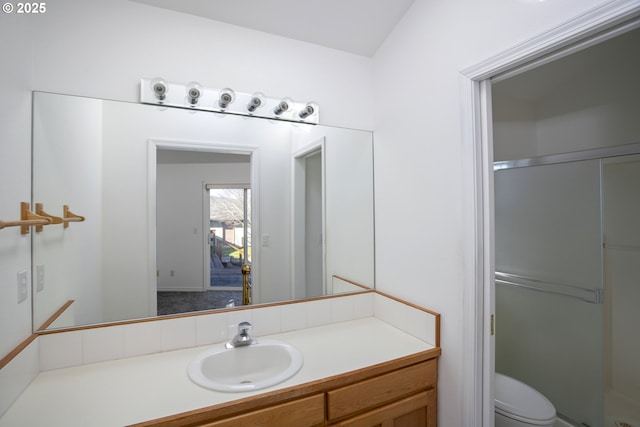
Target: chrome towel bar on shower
x: 593, y: 296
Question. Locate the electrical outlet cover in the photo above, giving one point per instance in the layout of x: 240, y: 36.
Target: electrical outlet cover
x: 23, y: 289
x: 39, y: 277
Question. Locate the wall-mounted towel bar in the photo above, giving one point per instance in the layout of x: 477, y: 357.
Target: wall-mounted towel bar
x: 69, y: 216
x: 53, y: 219
x: 40, y: 218
x: 27, y: 219
x: 594, y: 296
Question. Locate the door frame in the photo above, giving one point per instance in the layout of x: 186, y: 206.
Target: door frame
x: 185, y: 145
x: 206, y: 223
x: 592, y: 27
x: 298, y: 215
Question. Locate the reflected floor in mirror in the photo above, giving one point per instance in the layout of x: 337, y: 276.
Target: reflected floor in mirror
x: 184, y: 302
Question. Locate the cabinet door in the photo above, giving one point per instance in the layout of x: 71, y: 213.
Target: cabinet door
x: 306, y: 412
x: 381, y: 390
x: 417, y: 410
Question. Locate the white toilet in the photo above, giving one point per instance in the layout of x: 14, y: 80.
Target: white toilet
x: 520, y: 405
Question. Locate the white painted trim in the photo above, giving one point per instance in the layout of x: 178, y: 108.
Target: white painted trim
x: 184, y: 289
x: 327, y: 281
x: 605, y: 21
x: 561, y: 38
x: 488, y: 258
x: 205, y: 146
x: 206, y: 238
x: 152, y: 258
x: 473, y: 254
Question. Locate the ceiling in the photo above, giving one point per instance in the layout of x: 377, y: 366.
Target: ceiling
x: 355, y: 26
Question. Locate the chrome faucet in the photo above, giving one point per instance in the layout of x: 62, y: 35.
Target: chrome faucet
x: 242, y: 338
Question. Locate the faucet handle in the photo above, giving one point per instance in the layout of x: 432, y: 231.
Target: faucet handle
x: 243, y: 327
x: 242, y: 338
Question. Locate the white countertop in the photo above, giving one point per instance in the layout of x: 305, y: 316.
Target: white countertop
x: 137, y: 389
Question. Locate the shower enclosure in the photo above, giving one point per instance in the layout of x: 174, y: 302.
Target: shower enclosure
x: 567, y: 238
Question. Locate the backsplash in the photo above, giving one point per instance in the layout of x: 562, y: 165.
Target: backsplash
x: 116, y: 342
x: 73, y: 348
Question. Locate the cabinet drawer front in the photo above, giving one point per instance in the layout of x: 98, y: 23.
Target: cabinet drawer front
x: 412, y: 411
x: 306, y: 412
x: 380, y: 390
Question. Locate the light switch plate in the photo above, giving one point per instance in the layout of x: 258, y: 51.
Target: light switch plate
x: 23, y: 289
x: 39, y: 277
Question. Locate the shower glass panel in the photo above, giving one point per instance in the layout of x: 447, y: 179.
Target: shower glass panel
x: 549, y: 280
x: 621, y: 214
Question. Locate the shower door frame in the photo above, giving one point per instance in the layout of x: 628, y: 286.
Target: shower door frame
x: 597, y: 25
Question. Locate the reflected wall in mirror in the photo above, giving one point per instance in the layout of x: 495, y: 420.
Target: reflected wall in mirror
x: 143, y: 178
x: 188, y: 262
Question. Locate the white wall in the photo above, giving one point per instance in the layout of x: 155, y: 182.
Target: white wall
x: 349, y: 195
x: 599, y: 109
x: 102, y: 49
x: 569, y: 113
x: 419, y: 154
x: 514, y: 129
x: 127, y: 129
x: 180, y: 240
x: 67, y: 170
x: 15, y: 176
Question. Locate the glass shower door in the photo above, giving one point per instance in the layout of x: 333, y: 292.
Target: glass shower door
x: 621, y: 214
x: 549, y: 281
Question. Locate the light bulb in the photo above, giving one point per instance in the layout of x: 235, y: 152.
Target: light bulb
x: 227, y: 96
x: 160, y: 88
x: 193, y: 93
x: 309, y: 110
x: 283, y: 106
x: 255, y: 102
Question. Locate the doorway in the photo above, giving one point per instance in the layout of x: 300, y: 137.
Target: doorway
x: 589, y: 29
x: 182, y: 244
x: 228, y: 211
x: 308, y: 222
x: 553, y: 138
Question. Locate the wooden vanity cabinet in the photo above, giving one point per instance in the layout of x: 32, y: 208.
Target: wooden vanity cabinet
x: 402, y: 398
x: 413, y: 411
x: 400, y: 393
x: 305, y: 412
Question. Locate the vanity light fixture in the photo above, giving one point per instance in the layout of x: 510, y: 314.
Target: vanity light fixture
x: 193, y: 93
x: 256, y: 101
x: 194, y: 97
x: 159, y: 88
x: 283, y: 106
x: 309, y: 110
x: 227, y: 96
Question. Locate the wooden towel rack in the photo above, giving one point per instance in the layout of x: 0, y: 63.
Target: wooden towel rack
x: 53, y: 219
x: 40, y: 218
x: 69, y: 216
x: 27, y: 219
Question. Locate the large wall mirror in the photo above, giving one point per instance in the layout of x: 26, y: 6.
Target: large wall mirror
x: 176, y: 201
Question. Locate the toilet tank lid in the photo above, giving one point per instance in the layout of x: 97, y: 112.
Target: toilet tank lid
x: 517, y: 398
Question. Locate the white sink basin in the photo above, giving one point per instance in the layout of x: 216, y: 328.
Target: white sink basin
x: 247, y: 368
